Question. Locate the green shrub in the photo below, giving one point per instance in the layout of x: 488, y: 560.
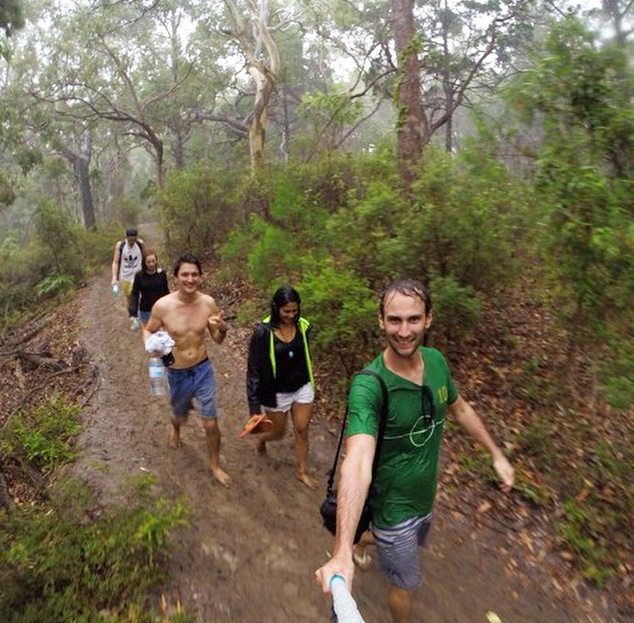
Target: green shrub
x: 457, y: 307
x: 53, y: 284
x: 43, y: 434
x: 56, y: 259
x: 57, y: 566
x: 343, y: 311
x: 196, y: 208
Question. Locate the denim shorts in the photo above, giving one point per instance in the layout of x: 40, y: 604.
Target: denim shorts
x: 144, y: 316
x: 195, y: 382
x: 397, y: 551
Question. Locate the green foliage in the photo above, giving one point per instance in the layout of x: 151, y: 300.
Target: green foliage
x: 43, y: 434
x: 59, y: 240
x: 59, y: 256
x: 579, y: 528
x: 478, y: 464
x: 196, y: 208
x: 53, y: 284
x: 57, y: 566
x: 581, y: 91
x: 618, y: 377
x: 468, y: 220
x: 340, y: 228
x: 456, y: 307
x: 343, y: 310
x: 11, y: 18
x: 535, y: 439
x: 327, y: 115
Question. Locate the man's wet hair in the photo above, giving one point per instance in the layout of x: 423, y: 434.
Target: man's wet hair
x: 408, y: 287
x: 284, y: 294
x: 187, y: 258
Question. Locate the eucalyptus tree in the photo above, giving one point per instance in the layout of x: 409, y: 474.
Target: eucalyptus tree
x: 252, y: 25
x: 123, y: 63
x: 429, y: 57
x: 11, y: 19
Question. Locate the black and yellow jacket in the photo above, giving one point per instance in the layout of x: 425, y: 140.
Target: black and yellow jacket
x: 261, y: 364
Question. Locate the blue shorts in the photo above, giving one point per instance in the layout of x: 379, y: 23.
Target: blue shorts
x: 397, y: 551
x: 144, y: 316
x: 188, y: 383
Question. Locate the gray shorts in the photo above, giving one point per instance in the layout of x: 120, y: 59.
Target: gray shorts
x: 397, y: 551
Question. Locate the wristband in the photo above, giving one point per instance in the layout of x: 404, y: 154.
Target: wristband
x: 335, y: 576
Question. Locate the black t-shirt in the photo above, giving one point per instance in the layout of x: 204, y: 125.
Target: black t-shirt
x: 149, y: 288
x: 290, y: 362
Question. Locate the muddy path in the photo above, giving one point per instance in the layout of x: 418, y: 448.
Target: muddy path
x: 249, y: 552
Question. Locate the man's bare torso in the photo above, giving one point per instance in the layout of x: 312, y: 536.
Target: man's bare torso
x: 186, y: 321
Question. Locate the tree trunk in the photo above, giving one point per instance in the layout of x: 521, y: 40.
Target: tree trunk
x: 81, y: 166
x: 286, y: 127
x: 411, y: 122
x: 82, y: 169
x: 255, y: 42
x: 446, y: 80
x: 257, y: 129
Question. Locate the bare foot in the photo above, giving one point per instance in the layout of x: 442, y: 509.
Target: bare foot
x: 221, y: 476
x: 175, y: 440
x: 309, y: 481
x: 361, y: 557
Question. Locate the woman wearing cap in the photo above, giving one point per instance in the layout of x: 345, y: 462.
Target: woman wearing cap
x: 280, y: 375
x: 149, y: 285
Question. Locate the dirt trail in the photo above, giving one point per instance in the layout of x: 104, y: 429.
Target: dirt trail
x: 249, y: 553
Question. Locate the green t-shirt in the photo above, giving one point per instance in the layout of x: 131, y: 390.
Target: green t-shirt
x: 407, y: 473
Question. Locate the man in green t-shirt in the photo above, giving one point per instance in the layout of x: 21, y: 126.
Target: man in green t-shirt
x: 420, y: 393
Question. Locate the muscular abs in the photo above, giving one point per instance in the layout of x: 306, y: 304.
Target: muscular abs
x: 186, y: 322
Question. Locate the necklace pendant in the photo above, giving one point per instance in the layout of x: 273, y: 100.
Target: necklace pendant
x: 291, y: 354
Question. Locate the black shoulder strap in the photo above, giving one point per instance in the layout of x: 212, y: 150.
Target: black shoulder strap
x: 381, y: 431
x: 121, y: 243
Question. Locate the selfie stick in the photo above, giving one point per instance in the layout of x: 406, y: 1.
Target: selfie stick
x: 344, y: 608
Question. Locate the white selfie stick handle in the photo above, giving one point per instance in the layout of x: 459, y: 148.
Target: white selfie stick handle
x: 343, y: 605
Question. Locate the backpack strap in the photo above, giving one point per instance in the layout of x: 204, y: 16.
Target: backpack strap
x: 380, y: 434
x: 121, y: 243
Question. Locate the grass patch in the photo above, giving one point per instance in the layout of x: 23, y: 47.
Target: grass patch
x: 43, y: 434
x: 57, y: 564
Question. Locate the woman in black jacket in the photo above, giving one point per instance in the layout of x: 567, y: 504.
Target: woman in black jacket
x: 280, y: 375
x: 150, y: 284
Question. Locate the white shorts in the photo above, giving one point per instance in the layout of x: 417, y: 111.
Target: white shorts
x: 304, y: 395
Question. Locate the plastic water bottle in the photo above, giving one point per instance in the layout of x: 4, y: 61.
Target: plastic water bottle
x: 115, y: 290
x: 158, y: 376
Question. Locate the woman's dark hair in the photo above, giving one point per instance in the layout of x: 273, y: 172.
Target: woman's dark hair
x: 284, y: 294
x: 146, y: 254
x: 409, y: 287
x: 187, y: 258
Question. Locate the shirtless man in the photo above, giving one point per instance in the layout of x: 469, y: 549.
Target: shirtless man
x: 186, y: 314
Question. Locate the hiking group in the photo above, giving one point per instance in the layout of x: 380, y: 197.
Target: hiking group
x: 399, y: 483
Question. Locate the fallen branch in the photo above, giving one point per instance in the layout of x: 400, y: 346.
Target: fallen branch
x: 40, y: 359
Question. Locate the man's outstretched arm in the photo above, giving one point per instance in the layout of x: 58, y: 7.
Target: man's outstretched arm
x: 352, y: 491
x: 469, y: 420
